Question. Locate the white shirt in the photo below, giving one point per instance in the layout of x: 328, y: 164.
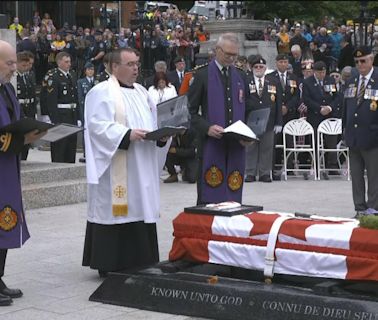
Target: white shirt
x: 158, y: 95
x: 257, y: 82
x: 367, y: 79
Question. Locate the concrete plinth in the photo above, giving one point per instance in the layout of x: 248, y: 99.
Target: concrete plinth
x: 242, y: 27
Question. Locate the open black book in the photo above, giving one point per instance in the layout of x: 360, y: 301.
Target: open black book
x: 258, y: 120
x: 54, y: 133
x: 240, y: 131
x: 164, y: 132
x: 172, y: 118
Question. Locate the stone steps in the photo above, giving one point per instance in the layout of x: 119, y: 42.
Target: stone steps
x: 52, y: 184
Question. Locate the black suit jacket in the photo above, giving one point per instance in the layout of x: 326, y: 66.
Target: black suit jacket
x: 174, y: 79
x: 314, y: 97
x: 361, y: 120
x: 269, y: 99
x: 290, y: 95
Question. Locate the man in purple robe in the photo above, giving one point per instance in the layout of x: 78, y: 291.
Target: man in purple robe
x: 13, y: 229
x: 217, y: 98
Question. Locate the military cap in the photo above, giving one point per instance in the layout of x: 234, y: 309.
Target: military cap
x: 258, y: 60
x: 179, y: 59
x: 98, y: 33
x: 282, y: 56
x: 251, y: 58
x: 88, y: 65
x: 336, y: 70
x: 320, y: 66
x: 361, y: 51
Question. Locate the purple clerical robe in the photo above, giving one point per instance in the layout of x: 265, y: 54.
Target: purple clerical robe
x: 13, y: 229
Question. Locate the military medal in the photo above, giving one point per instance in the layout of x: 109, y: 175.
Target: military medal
x: 373, y: 105
x: 273, y: 97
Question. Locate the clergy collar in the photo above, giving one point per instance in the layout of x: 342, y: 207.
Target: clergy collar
x: 123, y: 85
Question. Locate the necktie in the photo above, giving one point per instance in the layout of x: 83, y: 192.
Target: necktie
x: 260, y: 88
x: 321, y: 86
x: 225, y: 75
x: 361, y: 92
x: 180, y: 77
x: 283, y: 82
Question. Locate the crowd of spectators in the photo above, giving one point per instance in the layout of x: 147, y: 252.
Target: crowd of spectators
x: 165, y: 35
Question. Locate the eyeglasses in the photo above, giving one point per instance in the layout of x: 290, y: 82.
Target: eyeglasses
x: 258, y: 66
x: 131, y: 64
x: 228, y: 55
x: 359, y: 61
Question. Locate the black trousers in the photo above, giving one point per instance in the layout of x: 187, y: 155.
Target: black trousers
x: 188, y: 166
x: 3, y: 256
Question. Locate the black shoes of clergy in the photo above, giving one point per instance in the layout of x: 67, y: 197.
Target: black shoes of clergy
x: 6, y: 294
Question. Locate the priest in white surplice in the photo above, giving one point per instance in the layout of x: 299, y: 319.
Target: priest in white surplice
x: 122, y: 170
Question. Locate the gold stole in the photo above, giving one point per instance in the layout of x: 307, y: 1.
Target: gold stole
x: 119, y: 161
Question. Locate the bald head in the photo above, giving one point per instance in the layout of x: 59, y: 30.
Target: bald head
x: 8, y: 61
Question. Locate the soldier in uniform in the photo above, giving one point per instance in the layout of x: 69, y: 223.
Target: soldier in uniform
x: 97, y: 52
x: 62, y: 104
x: 25, y: 92
x: 217, y: 98
x: 104, y: 75
x: 290, y: 100
x: 83, y: 86
x: 265, y: 92
x: 360, y: 120
x: 321, y: 97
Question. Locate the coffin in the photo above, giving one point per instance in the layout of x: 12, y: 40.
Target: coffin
x: 279, y: 243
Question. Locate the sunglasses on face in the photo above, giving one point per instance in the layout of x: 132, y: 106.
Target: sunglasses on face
x: 258, y: 66
x: 359, y: 61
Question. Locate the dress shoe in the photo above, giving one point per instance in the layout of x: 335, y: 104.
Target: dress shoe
x: 102, y: 274
x: 12, y: 293
x: 250, y: 178
x: 276, y: 177
x: 325, y: 176
x: 82, y: 160
x: 265, y: 179
x: 5, y: 300
x: 171, y: 178
x: 305, y: 175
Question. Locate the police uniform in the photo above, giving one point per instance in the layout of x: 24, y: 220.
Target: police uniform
x: 26, y: 97
x: 259, y: 157
x: 62, y: 105
x: 83, y: 87
x: 316, y: 95
x: 360, y: 120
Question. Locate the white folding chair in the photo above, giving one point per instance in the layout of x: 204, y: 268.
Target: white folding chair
x: 299, y: 128
x: 332, y: 127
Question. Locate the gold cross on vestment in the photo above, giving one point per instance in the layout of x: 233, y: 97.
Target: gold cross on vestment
x: 119, y: 191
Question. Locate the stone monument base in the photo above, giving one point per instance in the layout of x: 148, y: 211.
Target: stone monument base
x: 220, y: 292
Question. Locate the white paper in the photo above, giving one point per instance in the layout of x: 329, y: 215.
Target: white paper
x: 241, y: 128
x: 60, y: 131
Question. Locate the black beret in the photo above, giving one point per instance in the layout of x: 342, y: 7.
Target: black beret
x: 320, y: 66
x: 282, y: 56
x: 250, y: 58
x: 336, y: 70
x: 88, y: 65
x: 179, y: 59
x: 258, y: 60
x: 361, y: 51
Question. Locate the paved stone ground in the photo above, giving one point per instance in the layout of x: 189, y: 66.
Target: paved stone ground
x: 55, y: 285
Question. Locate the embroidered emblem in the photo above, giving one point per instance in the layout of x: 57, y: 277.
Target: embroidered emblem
x: 119, y: 191
x: 5, y: 140
x: 273, y: 97
x: 358, y: 53
x: 373, y: 105
x: 235, y: 180
x: 214, y: 177
x: 8, y: 219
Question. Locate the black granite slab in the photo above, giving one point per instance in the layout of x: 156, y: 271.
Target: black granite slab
x: 218, y: 297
